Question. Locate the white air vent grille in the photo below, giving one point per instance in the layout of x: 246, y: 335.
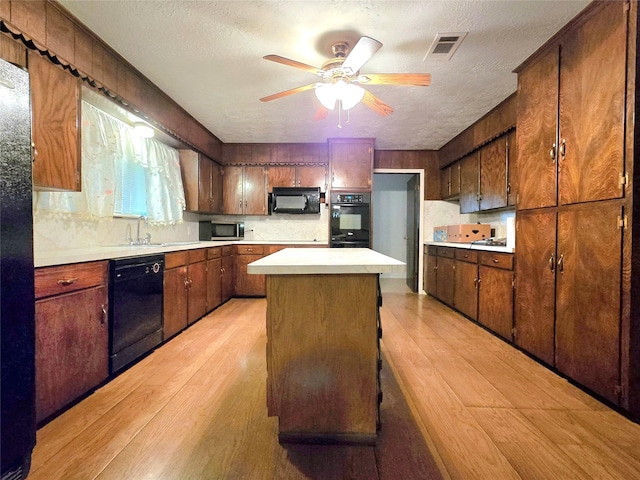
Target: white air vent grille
x: 445, y: 45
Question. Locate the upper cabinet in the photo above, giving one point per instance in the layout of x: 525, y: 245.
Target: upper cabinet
x: 450, y: 181
x: 202, y: 181
x: 469, y: 183
x: 571, y: 115
x: 55, y: 131
x: 351, y: 162
x: 244, y: 190
x: 297, y: 176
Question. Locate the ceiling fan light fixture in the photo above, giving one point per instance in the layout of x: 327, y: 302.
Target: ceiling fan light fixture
x: 348, y: 94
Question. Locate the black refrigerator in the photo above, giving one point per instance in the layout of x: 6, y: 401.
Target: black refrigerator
x: 17, y: 320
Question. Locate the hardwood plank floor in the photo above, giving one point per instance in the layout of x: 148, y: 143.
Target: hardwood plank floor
x: 458, y: 403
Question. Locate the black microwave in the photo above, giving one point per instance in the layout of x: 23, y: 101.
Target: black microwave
x: 297, y: 200
x: 221, y: 231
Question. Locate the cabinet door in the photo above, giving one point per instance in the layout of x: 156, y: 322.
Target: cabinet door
x: 493, y: 174
x: 204, y: 184
x: 445, y: 183
x: 588, y: 297
x: 232, y: 190
x: 454, y: 179
x: 72, y: 351
x: 216, y: 188
x: 214, y: 283
x: 535, y: 283
x: 175, y: 300
x: 197, y: 273
x: 190, y: 170
x: 444, y: 280
x: 465, y: 298
x: 469, y: 171
x: 351, y: 165
x: 312, y: 176
x: 495, y: 304
x: 536, y: 132
x: 228, y: 277
x: 54, y: 107
x: 284, y: 176
x: 255, y: 191
x: 592, y: 108
x: 431, y: 275
x: 248, y: 285
x: 512, y: 169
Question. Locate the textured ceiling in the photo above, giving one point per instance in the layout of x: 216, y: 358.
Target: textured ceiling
x: 207, y: 55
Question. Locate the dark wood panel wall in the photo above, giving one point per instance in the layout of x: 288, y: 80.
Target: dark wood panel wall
x: 45, y: 26
x: 497, y: 121
x: 426, y: 160
x: 275, y: 153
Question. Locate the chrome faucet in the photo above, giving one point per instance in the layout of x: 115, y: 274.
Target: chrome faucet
x: 147, y: 239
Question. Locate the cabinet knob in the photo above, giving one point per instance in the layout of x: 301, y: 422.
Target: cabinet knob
x: 552, y: 263
x: 552, y: 152
x: 561, y: 263
x: 103, y: 321
x: 67, y: 281
x: 563, y: 148
x: 495, y: 260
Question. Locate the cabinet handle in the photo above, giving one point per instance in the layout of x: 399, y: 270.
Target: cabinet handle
x: 553, y: 152
x: 186, y: 283
x: 495, y: 260
x: 561, y: 264
x: 552, y: 263
x: 464, y: 256
x: 563, y: 148
x: 104, y: 314
x: 67, y: 281
x: 475, y: 283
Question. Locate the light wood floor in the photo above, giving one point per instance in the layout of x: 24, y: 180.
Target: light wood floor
x: 458, y: 403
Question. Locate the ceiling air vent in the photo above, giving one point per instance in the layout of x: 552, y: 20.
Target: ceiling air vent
x: 445, y: 45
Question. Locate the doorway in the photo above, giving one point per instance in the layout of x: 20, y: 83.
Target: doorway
x: 397, y: 219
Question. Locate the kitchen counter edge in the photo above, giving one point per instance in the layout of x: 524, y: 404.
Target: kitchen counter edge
x: 80, y: 255
x: 473, y: 246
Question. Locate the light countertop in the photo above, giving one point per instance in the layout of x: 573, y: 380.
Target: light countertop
x: 473, y: 246
x: 78, y: 255
x: 293, y: 261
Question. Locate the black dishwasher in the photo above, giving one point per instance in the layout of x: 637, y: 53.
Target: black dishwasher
x: 135, y: 301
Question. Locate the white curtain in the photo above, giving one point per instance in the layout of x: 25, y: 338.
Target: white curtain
x: 165, y: 193
x: 107, y: 144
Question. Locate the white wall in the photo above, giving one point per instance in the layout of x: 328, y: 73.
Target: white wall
x: 390, y: 216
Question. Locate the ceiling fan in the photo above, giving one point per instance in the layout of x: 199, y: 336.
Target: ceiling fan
x: 341, y: 78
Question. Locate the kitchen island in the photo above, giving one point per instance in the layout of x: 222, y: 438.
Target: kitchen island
x: 323, y: 351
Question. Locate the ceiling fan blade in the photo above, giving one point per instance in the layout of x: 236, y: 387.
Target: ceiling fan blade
x: 321, y: 113
x: 373, y: 102
x: 292, y: 63
x: 286, y: 93
x: 361, y: 53
x: 417, y: 79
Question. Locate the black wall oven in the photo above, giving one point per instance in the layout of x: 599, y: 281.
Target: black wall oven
x: 350, y: 220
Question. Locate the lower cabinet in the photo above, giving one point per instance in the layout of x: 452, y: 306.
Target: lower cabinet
x: 465, y: 283
x: 228, y: 277
x: 249, y: 285
x: 72, y: 334
x: 197, y: 271
x: 496, y: 293
x: 479, y: 284
x: 214, y: 278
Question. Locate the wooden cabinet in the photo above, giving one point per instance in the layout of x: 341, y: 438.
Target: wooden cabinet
x: 575, y: 283
x: 249, y: 285
x: 214, y: 278
x: 202, y: 181
x: 450, y: 181
x: 244, y: 190
x: 55, y: 131
x: 445, y: 274
x: 465, y: 283
x: 430, y: 272
x: 494, y: 158
x: 297, y: 176
x: 185, y: 289
x: 351, y: 163
x: 512, y: 169
x: 227, y: 279
x: 495, y: 279
x: 72, y: 350
x: 469, y: 183
x: 571, y: 115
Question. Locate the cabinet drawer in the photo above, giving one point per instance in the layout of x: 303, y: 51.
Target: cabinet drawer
x: 175, y: 259
x: 68, y: 278
x: 447, y: 252
x: 498, y: 260
x: 432, y: 250
x: 466, y: 255
x: 250, y: 249
x: 227, y: 251
x: 213, y: 253
x: 198, y: 255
